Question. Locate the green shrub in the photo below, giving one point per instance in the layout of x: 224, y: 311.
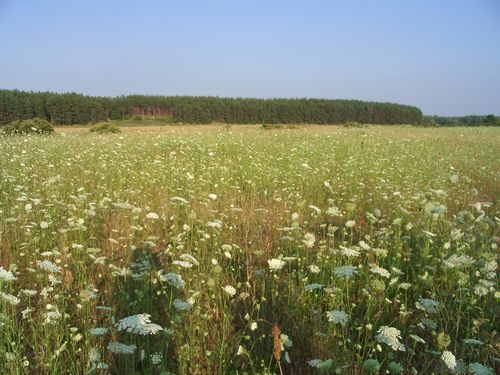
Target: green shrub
x: 266, y: 126
x: 429, y: 124
x: 354, y: 124
x: 31, y: 126
x: 137, y: 118
x: 104, y: 128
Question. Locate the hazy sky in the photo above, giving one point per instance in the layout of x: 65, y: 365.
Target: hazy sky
x: 441, y: 55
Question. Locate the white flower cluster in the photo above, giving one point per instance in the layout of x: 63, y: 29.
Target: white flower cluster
x: 139, y: 323
x: 181, y: 305
x: 229, y: 290
x: 276, y: 264
x: 428, y: 305
x: 381, y: 271
x: 320, y: 364
x: 13, y: 300
x: 48, y: 266
x: 345, y: 271
x: 449, y: 360
x: 337, y: 317
x: 6, y: 276
x: 172, y: 279
x: 391, y: 337
x: 119, y: 348
x: 309, y: 240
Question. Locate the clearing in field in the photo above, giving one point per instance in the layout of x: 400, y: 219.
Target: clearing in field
x: 198, y: 250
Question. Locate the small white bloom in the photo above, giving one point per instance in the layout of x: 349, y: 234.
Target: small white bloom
x: 139, y: 323
x: 314, y: 268
x: 47, y: 265
x: 276, y: 264
x: 229, y: 290
x: 391, y: 337
x: 309, y: 240
x: 381, y: 271
x: 6, y: 276
x: 337, y: 317
x: 119, y: 348
x: 350, y: 223
x: 152, y: 216
x: 449, y: 359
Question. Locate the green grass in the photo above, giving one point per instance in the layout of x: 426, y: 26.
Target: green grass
x: 120, y: 217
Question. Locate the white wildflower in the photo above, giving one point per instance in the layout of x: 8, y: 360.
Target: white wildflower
x: 47, y: 265
x: 229, y: 290
x: 391, y: 337
x: 314, y: 286
x: 314, y: 268
x: 350, y: 223
x: 320, y: 364
x: 479, y: 369
x: 172, y: 279
x: 276, y: 264
x: 119, y: 348
x: 449, y: 359
x: 6, y: 276
x: 156, y: 358
x: 348, y: 252
x: 428, y: 305
x: 337, y: 317
x: 381, y: 271
x: 98, y: 331
x: 139, y: 323
x: 13, y: 300
x: 345, y: 271
x: 152, y: 216
x: 309, y: 240
x: 181, y: 305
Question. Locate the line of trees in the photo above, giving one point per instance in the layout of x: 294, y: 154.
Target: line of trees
x: 72, y: 108
x: 470, y: 120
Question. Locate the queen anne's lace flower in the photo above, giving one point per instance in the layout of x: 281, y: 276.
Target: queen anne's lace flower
x: 449, y: 359
x: 381, y: 271
x: 428, y: 305
x: 479, y: 369
x: 391, y: 337
x: 345, y: 271
x: 47, y: 265
x: 139, y: 323
x: 276, y: 264
x: 6, y: 276
x: 309, y: 240
x: 181, y: 305
x: 119, y: 348
x: 13, y: 300
x: 172, y: 279
x: 229, y: 290
x: 152, y: 216
x: 337, y: 317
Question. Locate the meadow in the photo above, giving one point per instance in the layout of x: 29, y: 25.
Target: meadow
x: 211, y: 250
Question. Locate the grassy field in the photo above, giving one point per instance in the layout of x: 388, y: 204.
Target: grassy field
x: 199, y: 250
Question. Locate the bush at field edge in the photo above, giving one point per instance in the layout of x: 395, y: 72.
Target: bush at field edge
x: 104, y: 128
x: 30, y: 126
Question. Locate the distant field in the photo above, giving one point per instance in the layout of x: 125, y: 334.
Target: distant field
x: 200, y: 250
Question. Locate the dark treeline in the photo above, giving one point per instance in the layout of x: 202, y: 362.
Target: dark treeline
x: 471, y: 120
x: 74, y: 108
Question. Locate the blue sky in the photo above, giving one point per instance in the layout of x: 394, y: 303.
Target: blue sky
x: 441, y: 55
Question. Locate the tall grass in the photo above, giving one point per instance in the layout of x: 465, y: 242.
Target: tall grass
x: 254, y: 252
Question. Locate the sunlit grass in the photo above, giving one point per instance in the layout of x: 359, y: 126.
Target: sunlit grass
x: 327, y: 234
